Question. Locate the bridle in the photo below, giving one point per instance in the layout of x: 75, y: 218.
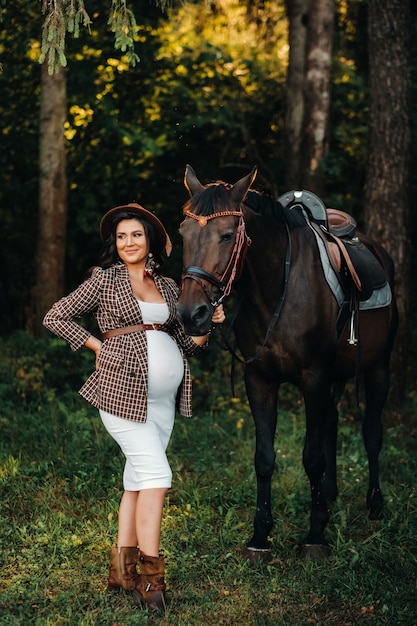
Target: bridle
x: 233, y: 271
x: 234, y: 265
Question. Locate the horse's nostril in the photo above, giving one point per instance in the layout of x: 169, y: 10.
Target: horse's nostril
x: 200, y: 314
x: 196, y: 319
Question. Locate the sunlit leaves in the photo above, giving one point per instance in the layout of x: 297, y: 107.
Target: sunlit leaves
x: 122, y: 22
x: 229, y: 39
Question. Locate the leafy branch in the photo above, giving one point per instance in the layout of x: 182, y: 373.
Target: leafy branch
x: 122, y: 23
x: 60, y: 16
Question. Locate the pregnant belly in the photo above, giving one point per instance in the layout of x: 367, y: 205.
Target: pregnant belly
x: 166, y: 367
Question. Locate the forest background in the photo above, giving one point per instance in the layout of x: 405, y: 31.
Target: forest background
x: 213, y: 85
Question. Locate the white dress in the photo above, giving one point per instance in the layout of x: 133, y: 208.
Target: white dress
x: 144, y: 444
x: 165, y: 364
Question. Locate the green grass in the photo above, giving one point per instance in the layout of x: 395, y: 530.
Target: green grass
x: 60, y: 482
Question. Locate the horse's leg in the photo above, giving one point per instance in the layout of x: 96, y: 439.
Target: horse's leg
x: 317, y: 399
x: 376, y: 382
x: 262, y: 395
x: 329, y: 482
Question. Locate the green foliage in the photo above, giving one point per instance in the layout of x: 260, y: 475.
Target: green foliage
x: 60, y: 16
x: 209, y: 90
x: 19, y: 111
x: 122, y: 23
x: 60, y: 485
x: 188, y: 100
x: 64, y: 16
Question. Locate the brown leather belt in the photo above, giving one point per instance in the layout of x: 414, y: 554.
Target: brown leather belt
x: 131, y: 329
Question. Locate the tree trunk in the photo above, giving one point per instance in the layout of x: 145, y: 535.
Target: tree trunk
x: 52, y: 195
x: 297, y: 12
x: 317, y: 91
x: 387, y: 183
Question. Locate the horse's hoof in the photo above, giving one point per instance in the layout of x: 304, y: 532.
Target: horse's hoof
x: 257, y: 555
x: 314, y: 550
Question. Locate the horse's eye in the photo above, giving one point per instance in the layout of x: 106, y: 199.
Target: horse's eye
x: 226, y: 237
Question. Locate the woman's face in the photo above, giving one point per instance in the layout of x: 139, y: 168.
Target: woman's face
x: 131, y: 242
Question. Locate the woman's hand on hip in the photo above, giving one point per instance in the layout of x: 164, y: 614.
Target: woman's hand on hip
x: 94, y: 344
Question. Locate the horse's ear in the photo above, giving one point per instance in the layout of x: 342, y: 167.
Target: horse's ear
x: 241, y: 188
x: 191, y: 181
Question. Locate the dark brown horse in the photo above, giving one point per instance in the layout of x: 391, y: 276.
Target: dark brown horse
x: 288, y: 328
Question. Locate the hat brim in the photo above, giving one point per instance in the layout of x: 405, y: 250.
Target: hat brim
x: 161, y: 234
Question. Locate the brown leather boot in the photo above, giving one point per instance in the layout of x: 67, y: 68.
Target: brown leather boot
x: 152, y: 584
x: 123, y: 573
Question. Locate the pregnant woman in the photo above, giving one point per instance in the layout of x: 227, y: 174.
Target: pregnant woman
x: 141, y: 376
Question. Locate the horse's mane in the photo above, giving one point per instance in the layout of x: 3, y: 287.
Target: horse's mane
x: 211, y: 199
x: 265, y: 204
x: 215, y: 197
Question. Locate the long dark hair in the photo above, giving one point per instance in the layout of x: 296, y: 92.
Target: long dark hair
x: 110, y: 257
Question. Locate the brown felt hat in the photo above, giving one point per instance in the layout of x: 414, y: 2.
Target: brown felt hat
x: 161, y: 234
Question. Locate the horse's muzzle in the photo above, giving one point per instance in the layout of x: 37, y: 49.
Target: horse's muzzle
x: 195, y: 319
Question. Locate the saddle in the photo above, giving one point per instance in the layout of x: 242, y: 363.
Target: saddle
x: 355, y: 264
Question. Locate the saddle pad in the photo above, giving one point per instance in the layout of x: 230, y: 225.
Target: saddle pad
x: 379, y: 298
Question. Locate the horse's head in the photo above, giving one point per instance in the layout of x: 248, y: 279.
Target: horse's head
x: 214, y: 246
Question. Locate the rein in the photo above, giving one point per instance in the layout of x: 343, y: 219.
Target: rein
x: 233, y: 271
x: 234, y: 266
x: 277, y: 312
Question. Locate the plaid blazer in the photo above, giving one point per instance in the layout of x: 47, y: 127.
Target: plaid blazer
x: 120, y: 384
